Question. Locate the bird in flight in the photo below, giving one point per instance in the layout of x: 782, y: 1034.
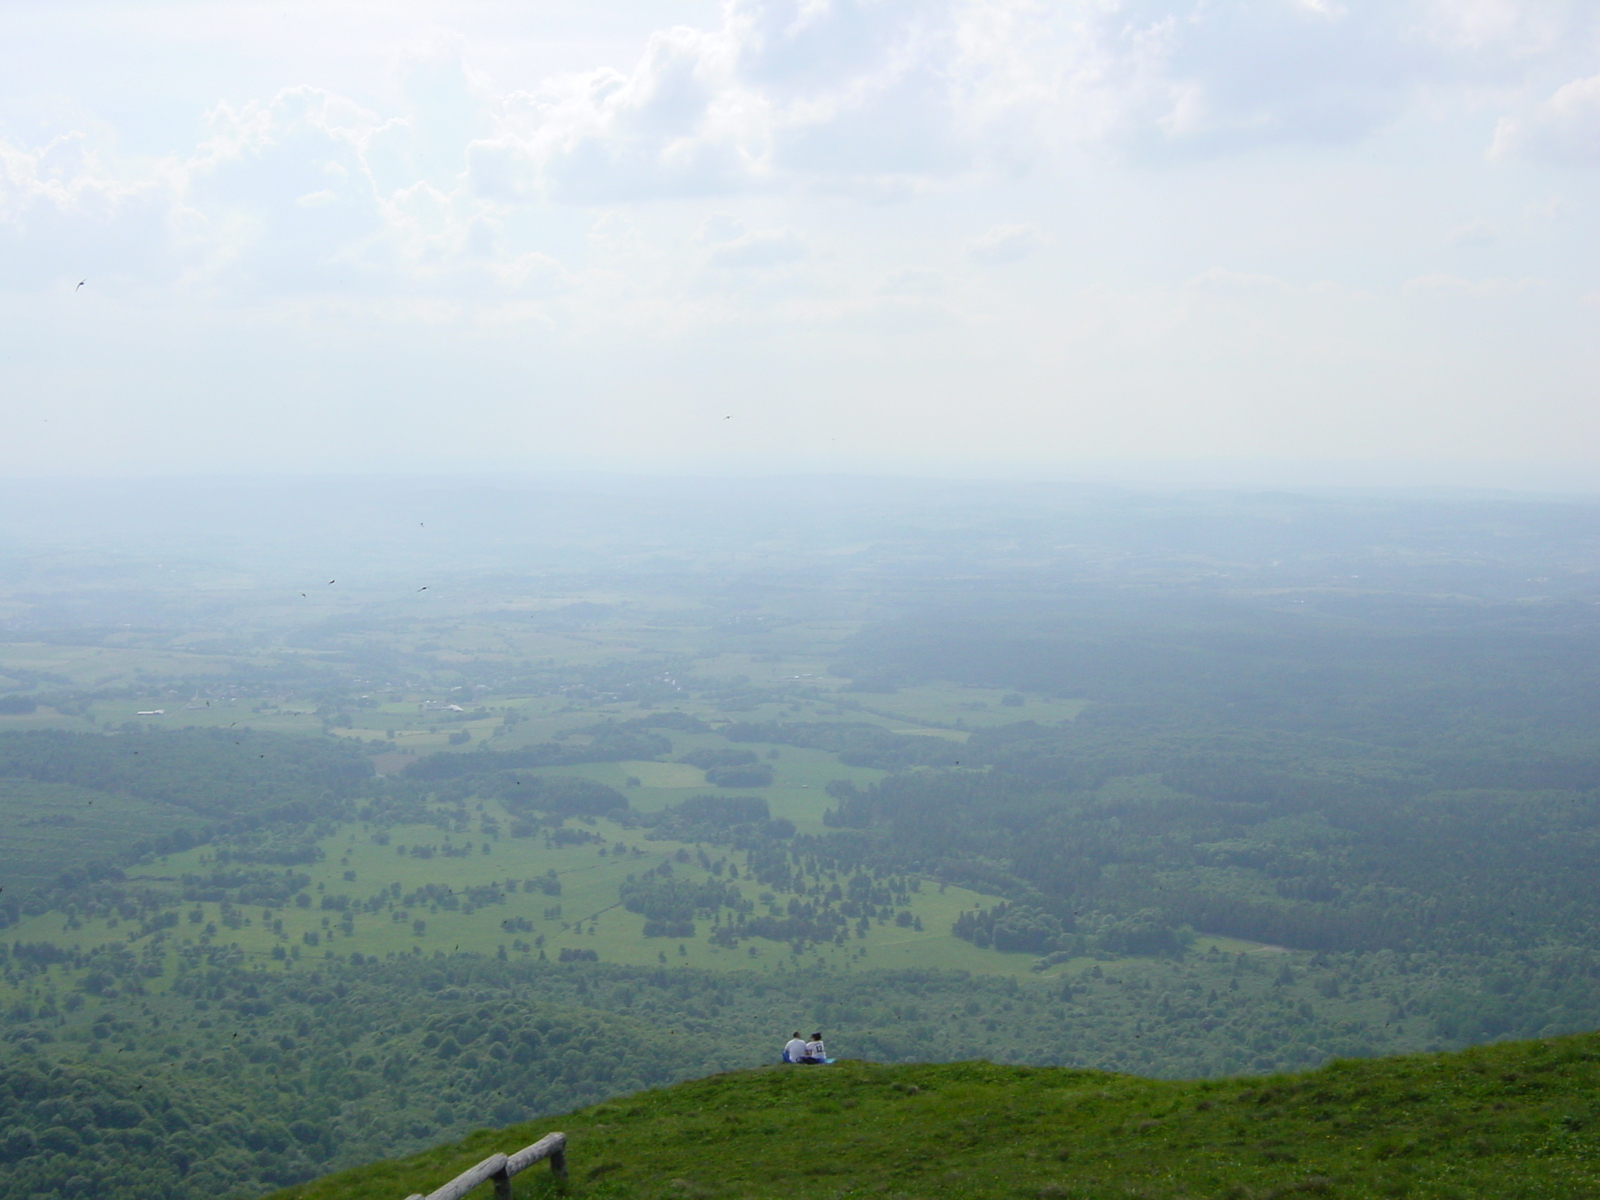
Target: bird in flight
x: 81, y: 282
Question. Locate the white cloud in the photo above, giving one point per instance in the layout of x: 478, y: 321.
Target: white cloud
x: 851, y: 93
x: 673, y: 127
x: 1474, y: 234
x: 307, y: 190
x: 1004, y: 244
x: 757, y: 250
x: 886, y: 97
x: 65, y: 212
x: 1482, y: 289
x: 912, y: 282
x: 720, y: 227
x: 1515, y: 29
x: 1565, y: 129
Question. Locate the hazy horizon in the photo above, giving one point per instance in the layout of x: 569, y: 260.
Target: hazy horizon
x: 1576, y: 479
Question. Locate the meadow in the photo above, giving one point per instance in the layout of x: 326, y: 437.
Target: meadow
x: 470, y: 848
x: 1513, y: 1121
x: 585, y: 915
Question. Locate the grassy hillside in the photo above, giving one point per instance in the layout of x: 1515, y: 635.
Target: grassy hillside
x: 1515, y: 1120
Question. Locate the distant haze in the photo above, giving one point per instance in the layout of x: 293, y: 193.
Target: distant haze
x: 1083, y: 239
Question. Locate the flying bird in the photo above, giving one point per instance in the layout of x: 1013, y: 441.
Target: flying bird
x: 81, y: 282
x: 423, y: 588
x: 331, y: 582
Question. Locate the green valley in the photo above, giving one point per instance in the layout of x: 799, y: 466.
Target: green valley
x: 293, y: 880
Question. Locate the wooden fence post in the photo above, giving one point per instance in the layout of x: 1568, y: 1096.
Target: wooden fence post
x: 501, y: 1167
x: 463, y: 1183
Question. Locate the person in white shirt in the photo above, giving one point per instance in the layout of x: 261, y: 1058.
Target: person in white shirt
x: 816, y: 1052
x: 795, y: 1050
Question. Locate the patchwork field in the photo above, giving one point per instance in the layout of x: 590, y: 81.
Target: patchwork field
x: 397, y: 726
x: 585, y: 915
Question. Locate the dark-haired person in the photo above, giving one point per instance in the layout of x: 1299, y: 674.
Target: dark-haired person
x: 816, y: 1052
x: 794, y: 1051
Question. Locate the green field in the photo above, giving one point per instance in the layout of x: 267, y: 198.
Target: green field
x: 397, y: 727
x: 795, y: 793
x: 194, y: 679
x: 586, y: 914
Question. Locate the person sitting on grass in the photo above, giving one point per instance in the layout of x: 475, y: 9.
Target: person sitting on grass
x: 795, y: 1050
x: 816, y: 1052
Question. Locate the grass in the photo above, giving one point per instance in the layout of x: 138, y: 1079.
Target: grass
x: 589, y: 914
x: 1517, y: 1121
x: 974, y: 707
x: 797, y: 791
x: 589, y: 880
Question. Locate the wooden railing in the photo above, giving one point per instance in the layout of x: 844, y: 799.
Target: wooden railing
x: 501, y: 1167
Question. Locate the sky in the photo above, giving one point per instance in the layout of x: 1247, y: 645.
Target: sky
x: 941, y: 236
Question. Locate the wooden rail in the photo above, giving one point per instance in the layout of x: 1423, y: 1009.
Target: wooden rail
x: 501, y: 1167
